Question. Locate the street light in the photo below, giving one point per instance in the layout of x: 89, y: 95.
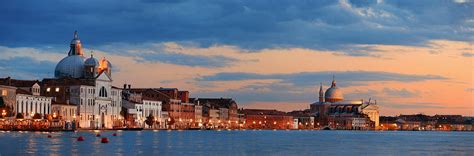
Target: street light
x: 54, y: 115
x: 4, y: 113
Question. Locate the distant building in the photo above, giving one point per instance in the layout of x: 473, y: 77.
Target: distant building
x: 64, y: 111
x: 179, y: 113
x: 218, y: 112
x: 8, y: 100
x: 140, y: 108
x: 332, y: 111
x: 30, y: 104
x: 421, y: 122
x: 28, y: 99
x: 304, y: 119
x: 267, y: 119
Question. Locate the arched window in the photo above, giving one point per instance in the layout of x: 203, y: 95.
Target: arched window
x: 103, y: 92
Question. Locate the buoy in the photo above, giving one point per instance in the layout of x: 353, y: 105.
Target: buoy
x: 97, y: 135
x: 80, y: 138
x: 104, y: 140
x: 49, y: 136
x: 115, y: 134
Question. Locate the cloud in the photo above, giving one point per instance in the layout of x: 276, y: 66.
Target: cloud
x: 314, y: 78
x: 416, y: 105
x: 401, y: 93
x: 466, y: 54
x: 26, y: 68
x: 333, y: 25
x: 158, y: 52
x: 469, y: 89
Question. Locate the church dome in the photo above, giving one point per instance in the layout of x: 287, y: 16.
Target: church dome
x: 92, y: 62
x: 70, y: 66
x: 333, y: 94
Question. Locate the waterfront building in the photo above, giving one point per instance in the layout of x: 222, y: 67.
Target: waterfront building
x: 267, y: 119
x: 174, y: 102
x: 64, y: 111
x: 31, y: 103
x: 86, y: 83
x: 143, y: 107
x: 220, y: 112
x: 332, y: 111
x: 198, y: 118
x: 213, y: 117
x: 304, y: 118
x: 28, y: 99
x: 154, y: 109
x: 388, y: 123
x: 8, y: 100
x: 132, y: 108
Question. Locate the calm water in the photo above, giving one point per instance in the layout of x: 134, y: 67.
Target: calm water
x: 239, y: 143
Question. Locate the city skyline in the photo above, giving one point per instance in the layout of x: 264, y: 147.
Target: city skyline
x: 408, y: 59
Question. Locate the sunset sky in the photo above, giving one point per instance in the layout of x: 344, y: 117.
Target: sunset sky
x: 410, y: 56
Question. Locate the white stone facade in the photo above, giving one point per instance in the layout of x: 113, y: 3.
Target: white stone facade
x: 98, y: 106
x: 64, y: 111
x: 153, y: 108
x: 31, y: 104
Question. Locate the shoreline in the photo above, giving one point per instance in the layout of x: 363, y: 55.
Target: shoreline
x: 119, y: 130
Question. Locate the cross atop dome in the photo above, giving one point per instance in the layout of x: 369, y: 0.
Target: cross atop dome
x: 333, y: 81
x: 75, y: 35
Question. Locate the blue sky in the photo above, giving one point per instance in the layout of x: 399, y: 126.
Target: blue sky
x: 197, y: 45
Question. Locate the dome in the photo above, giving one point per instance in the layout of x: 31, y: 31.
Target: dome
x: 333, y: 94
x: 70, y: 66
x: 92, y: 62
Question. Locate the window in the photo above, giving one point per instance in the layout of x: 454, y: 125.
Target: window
x: 4, y: 92
x: 57, y: 89
x: 102, y: 92
x: 48, y: 89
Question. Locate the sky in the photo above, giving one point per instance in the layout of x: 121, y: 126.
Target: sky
x: 410, y: 56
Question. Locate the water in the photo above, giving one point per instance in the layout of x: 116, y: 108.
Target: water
x: 248, y: 142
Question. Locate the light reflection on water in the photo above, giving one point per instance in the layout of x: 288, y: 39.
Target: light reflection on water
x: 239, y: 143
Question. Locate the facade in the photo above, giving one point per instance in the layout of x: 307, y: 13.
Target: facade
x: 154, y: 109
x: 198, y: 116
x: 86, y: 83
x: 173, y: 102
x: 304, y: 118
x: 332, y: 111
x: 218, y: 112
x: 267, y: 119
x: 27, y: 98
x: 66, y: 112
x: 8, y: 100
x: 30, y: 104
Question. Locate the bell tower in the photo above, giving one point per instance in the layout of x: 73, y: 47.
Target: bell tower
x: 321, y: 94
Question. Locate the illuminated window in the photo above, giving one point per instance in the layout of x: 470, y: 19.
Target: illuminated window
x: 4, y: 92
x: 48, y: 89
x: 57, y: 89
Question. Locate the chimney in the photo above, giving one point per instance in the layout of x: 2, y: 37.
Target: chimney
x: 129, y: 86
x: 124, y: 86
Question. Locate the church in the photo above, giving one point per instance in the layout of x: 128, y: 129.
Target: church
x: 334, y: 112
x: 86, y: 83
